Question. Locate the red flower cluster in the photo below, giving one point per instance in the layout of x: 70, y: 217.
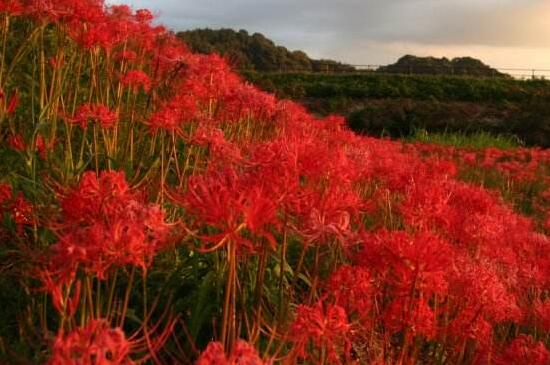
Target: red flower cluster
x: 136, y: 78
x: 224, y: 200
x: 94, y: 344
x: 174, y: 114
x: 19, y: 208
x: 524, y: 350
x: 105, y: 225
x: 326, y: 328
x: 243, y: 354
x: 94, y: 112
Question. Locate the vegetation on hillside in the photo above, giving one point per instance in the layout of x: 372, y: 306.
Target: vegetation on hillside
x: 460, y: 66
x: 421, y: 87
x: 529, y: 122
x: 255, y: 52
x: 396, y: 105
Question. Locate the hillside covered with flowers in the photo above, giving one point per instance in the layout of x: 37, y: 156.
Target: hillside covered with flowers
x: 157, y: 209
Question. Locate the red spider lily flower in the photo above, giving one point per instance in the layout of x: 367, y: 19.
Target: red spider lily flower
x: 136, y: 78
x: 243, y: 353
x: 105, y: 225
x: 11, y: 7
x: 417, y: 317
x: 96, y: 343
x: 222, y: 152
x: 246, y: 101
x: 351, y: 287
x: 126, y: 55
x: 225, y: 201
x: 115, y: 26
x: 95, y: 112
x: 22, y: 211
x: 210, y: 79
x: 144, y: 16
x: 524, y: 350
x: 65, y: 306
x: 408, y: 263
x: 13, y: 103
x: 214, y: 354
x: 327, y: 213
x: 483, y: 292
x: 542, y: 311
x: 173, y: 114
x: 323, y: 327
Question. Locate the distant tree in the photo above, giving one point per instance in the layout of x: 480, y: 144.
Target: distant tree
x: 441, y: 66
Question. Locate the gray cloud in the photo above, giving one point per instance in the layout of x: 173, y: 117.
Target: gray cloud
x: 347, y: 29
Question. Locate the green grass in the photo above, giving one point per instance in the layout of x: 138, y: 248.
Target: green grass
x: 475, y: 140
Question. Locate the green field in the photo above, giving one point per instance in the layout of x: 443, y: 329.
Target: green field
x: 398, y: 105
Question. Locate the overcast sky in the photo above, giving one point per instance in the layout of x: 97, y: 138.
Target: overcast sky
x: 503, y: 33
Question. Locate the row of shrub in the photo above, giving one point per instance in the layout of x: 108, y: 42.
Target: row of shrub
x: 399, y: 106
x: 423, y: 87
x: 529, y: 122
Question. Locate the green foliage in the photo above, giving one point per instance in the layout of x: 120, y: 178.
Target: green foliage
x: 396, y: 106
x: 413, y: 65
x: 528, y: 122
x: 423, y: 87
x: 474, y: 140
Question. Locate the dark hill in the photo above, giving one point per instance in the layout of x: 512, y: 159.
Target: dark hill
x: 255, y: 51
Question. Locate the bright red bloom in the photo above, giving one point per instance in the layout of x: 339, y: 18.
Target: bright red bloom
x: 222, y: 151
x: 22, y: 211
x: 144, y: 16
x: 173, y: 114
x: 408, y: 263
x: 226, y: 201
x: 95, y: 344
x: 243, y: 353
x: 94, y: 112
x: 524, y: 350
x: 11, y: 7
x: 326, y: 213
x: 417, y: 317
x: 323, y: 327
x: 542, y: 311
x: 214, y: 354
x: 126, y: 55
x: 136, y: 78
x: 106, y: 225
x: 351, y: 288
